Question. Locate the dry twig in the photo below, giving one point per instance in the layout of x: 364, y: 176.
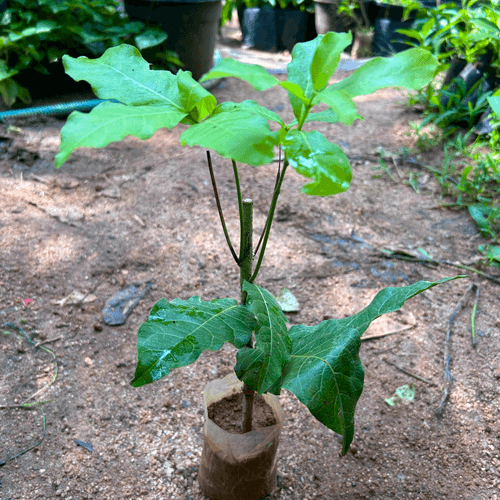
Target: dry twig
x: 447, y: 356
x: 406, y: 372
x: 392, y: 332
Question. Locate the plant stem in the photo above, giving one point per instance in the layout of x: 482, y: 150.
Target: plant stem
x: 269, y: 223
x: 246, y: 246
x: 246, y: 260
x: 240, y: 207
x: 219, y: 209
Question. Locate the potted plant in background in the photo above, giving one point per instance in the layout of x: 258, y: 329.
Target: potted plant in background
x: 320, y: 363
x: 191, y: 26
x: 363, y: 32
x: 273, y: 25
x: 392, y: 16
x: 34, y: 35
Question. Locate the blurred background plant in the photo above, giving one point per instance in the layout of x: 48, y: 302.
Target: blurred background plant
x: 35, y: 34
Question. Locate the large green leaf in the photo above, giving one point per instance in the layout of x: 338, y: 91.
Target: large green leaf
x: 327, y: 56
x: 109, y: 122
x: 262, y: 365
x: 299, y: 73
x: 239, y: 134
x: 254, y: 74
x: 312, y: 65
x: 194, y: 98
x: 122, y: 74
x: 251, y: 106
x: 341, y: 104
x: 177, y: 332
x: 324, y: 370
x: 411, y: 69
x: 314, y: 157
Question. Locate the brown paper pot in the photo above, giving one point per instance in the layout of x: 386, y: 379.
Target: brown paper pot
x: 238, y: 466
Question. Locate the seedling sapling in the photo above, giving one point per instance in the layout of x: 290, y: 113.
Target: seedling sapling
x: 320, y: 363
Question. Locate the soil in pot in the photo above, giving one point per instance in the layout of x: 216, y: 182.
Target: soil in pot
x: 237, y: 466
x: 227, y: 413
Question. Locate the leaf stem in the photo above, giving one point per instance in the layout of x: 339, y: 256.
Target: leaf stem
x: 278, y: 175
x: 240, y: 207
x: 269, y: 223
x: 219, y: 209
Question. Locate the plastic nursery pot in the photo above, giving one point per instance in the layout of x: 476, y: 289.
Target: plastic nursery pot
x: 191, y: 27
x: 327, y: 17
x: 238, y: 466
x: 259, y: 28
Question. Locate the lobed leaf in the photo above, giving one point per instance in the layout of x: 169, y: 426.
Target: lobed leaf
x: 194, y: 98
x: 411, y: 69
x: 177, y: 332
x: 239, y: 134
x: 254, y: 74
x: 122, y: 74
x: 110, y: 122
x: 314, y: 157
x: 261, y: 366
x: 324, y: 370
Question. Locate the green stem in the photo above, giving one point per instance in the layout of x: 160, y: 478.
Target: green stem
x: 246, y: 260
x: 240, y: 205
x: 270, y: 222
x: 219, y: 209
x: 246, y: 246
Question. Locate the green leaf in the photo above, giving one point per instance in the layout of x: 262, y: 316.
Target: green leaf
x: 480, y: 214
x: 327, y: 116
x: 262, y: 365
x: 122, y: 74
x: 296, y: 90
x: 110, y: 122
x: 324, y: 370
x: 299, y: 73
x: 411, y: 69
x: 150, y: 37
x: 239, y: 134
x: 194, y: 98
x: 341, y: 104
x: 252, y: 106
x: 495, y: 104
x: 312, y: 65
x: 254, y: 74
x: 314, y: 157
x: 327, y: 56
x: 177, y: 332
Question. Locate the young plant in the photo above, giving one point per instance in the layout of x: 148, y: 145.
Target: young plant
x: 319, y: 363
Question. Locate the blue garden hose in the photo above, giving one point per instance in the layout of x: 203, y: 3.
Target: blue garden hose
x: 52, y: 109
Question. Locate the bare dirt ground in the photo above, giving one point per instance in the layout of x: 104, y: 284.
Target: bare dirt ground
x: 139, y: 211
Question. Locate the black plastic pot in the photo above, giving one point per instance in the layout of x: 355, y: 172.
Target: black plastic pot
x: 386, y: 40
x: 291, y: 28
x: 259, y: 28
x: 191, y: 27
x: 327, y: 17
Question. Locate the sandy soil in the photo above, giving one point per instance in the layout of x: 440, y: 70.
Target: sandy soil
x: 139, y: 211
